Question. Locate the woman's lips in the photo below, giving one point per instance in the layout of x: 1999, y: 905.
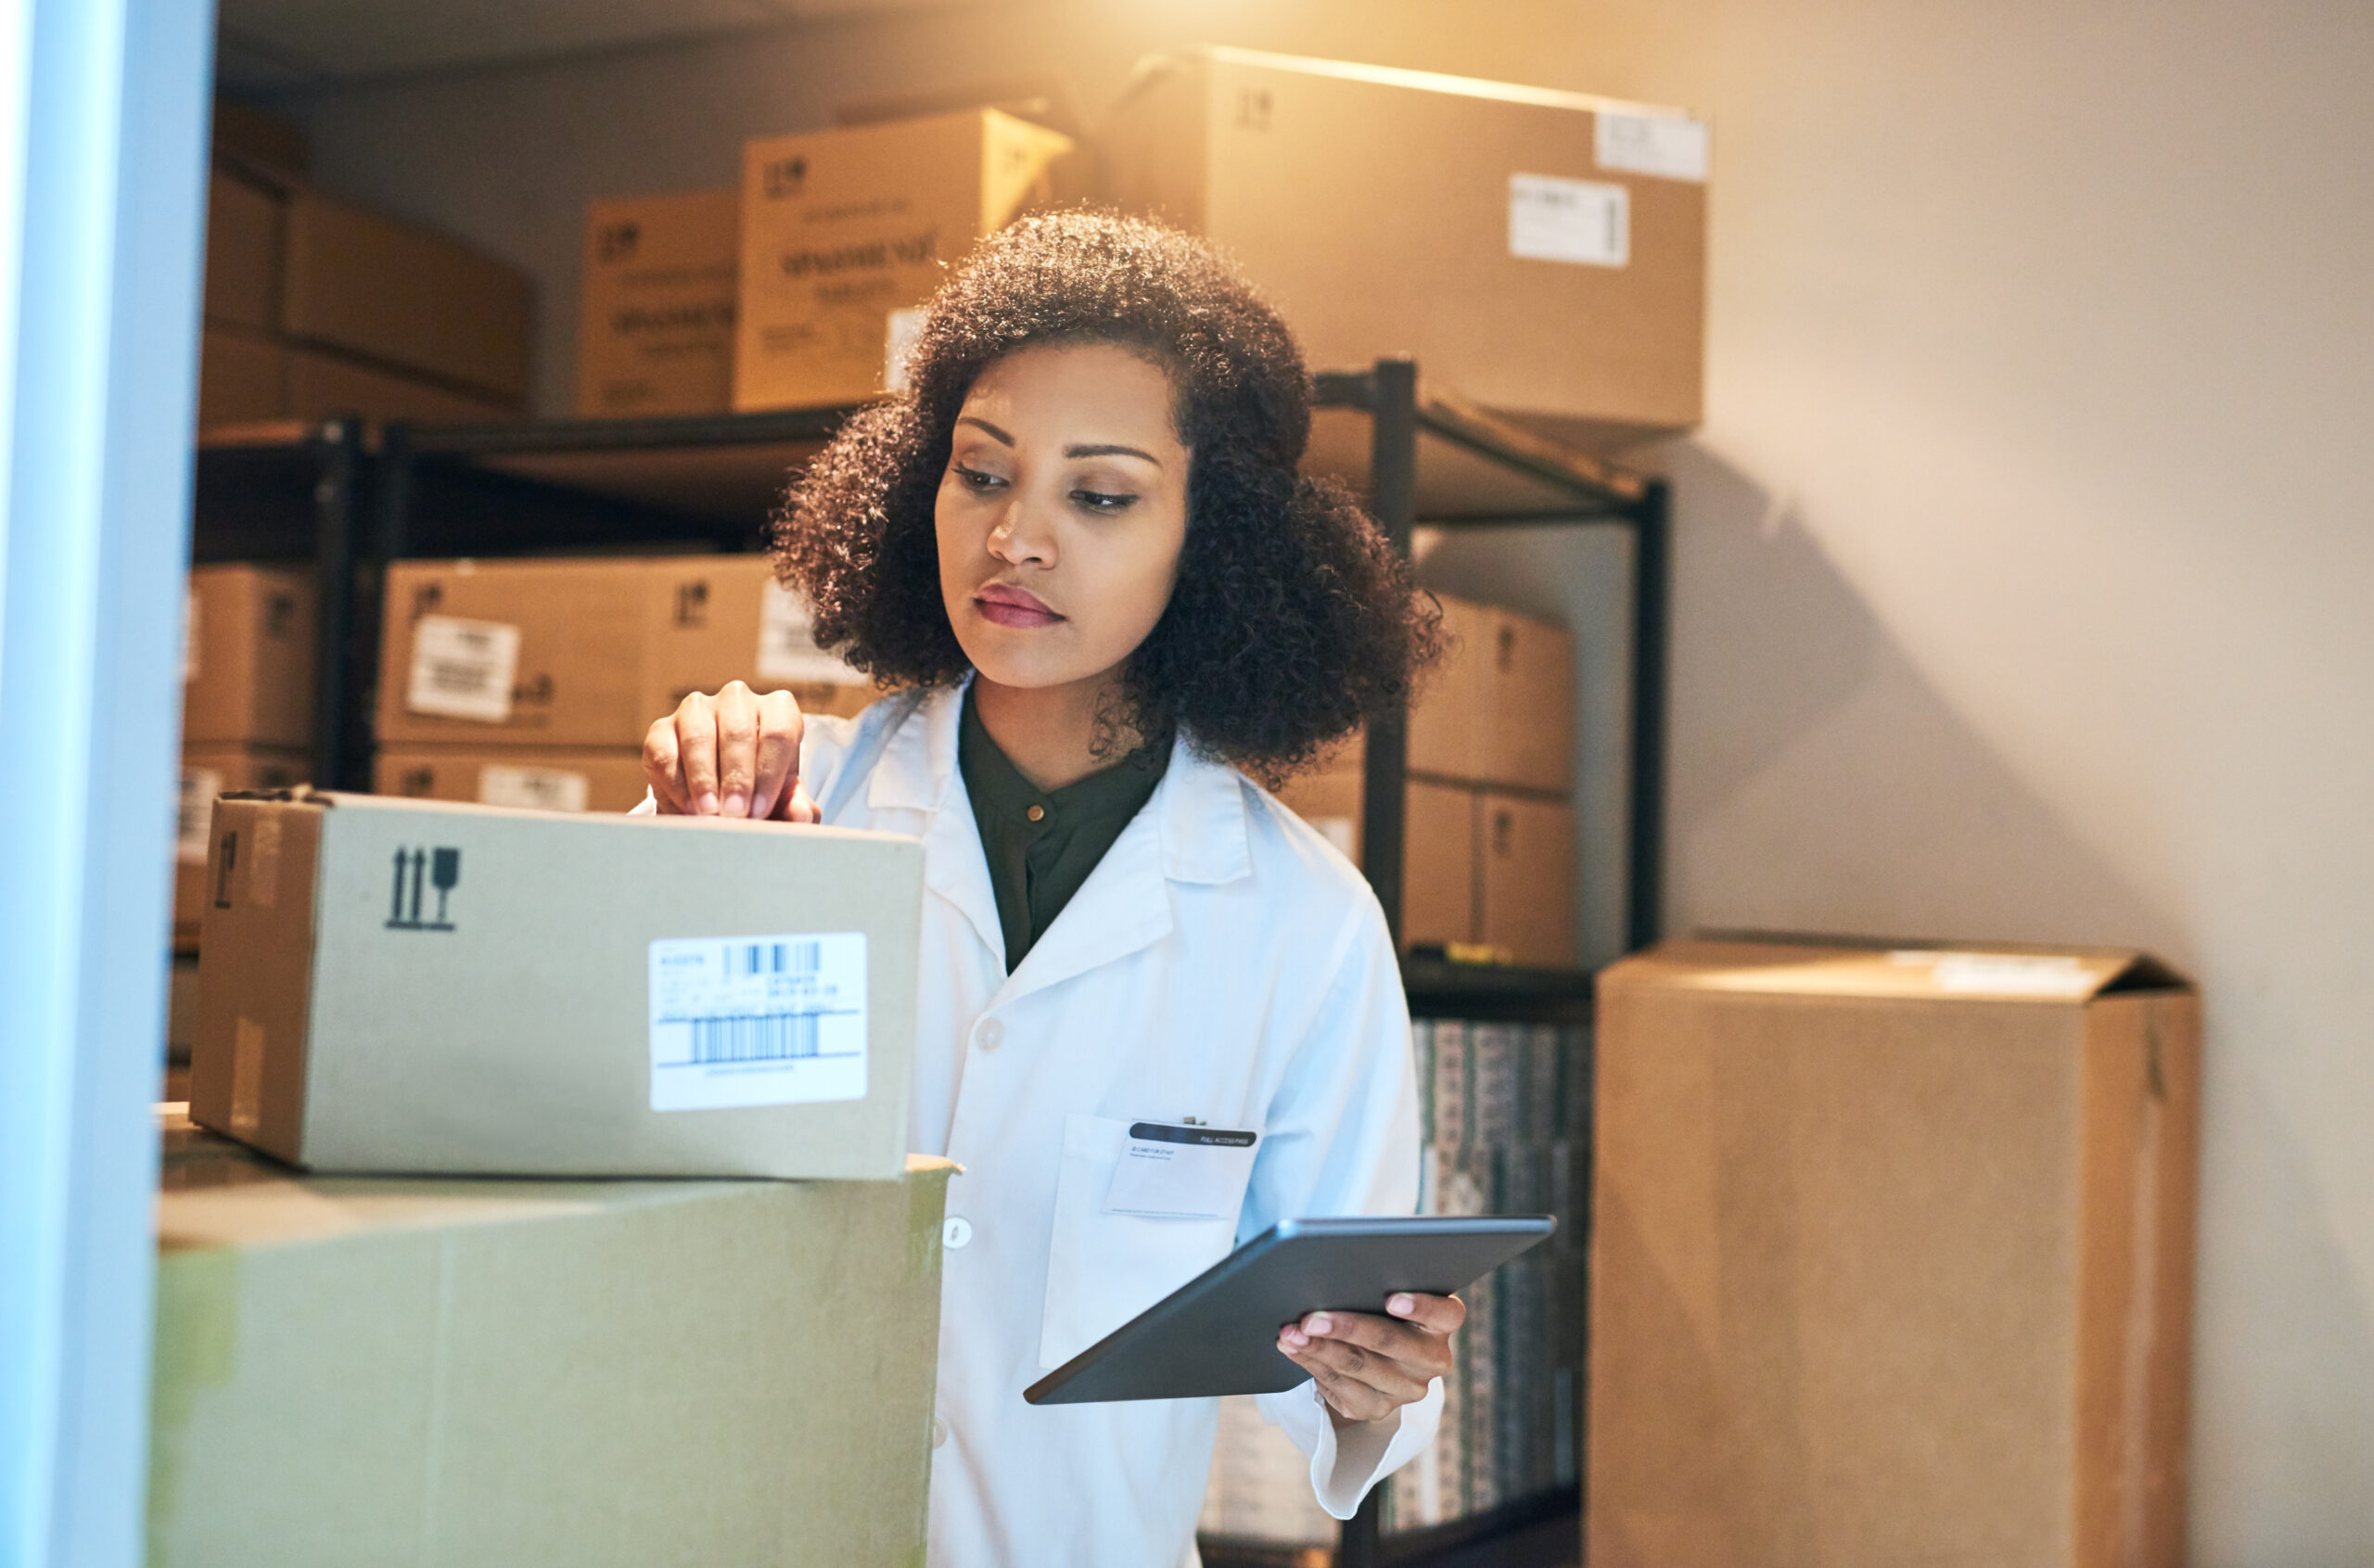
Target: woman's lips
x: 1003, y: 605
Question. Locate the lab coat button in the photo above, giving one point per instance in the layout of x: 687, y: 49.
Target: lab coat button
x: 956, y: 1232
x: 992, y: 1034
x: 938, y: 1432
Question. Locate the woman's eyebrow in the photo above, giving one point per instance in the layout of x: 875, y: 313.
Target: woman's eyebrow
x: 1108, y: 450
x: 983, y: 425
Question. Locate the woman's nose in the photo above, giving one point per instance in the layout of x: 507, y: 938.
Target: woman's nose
x: 1023, y: 535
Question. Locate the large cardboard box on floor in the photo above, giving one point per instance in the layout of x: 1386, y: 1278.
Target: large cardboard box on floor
x: 248, y: 655
x: 534, y: 778
x: 371, y: 286
x: 1542, y: 252
x: 654, y: 332
x: 453, y: 1373
x: 1437, y: 848
x: 587, y: 653
x: 208, y: 771
x: 396, y: 985
x: 845, y: 232
x: 1892, y: 1258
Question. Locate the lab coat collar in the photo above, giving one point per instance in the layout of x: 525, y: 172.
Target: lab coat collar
x: 1194, y: 830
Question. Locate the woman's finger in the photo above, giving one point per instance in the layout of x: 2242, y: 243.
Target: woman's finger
x: 659, y: 766
x: 1413, y: 1346
x: 799, y: 806
x: 1345, y: 1393
x: 697, y: 753
x: 737, y: 748
x: 780, y: 729
x: 1436, y: 1314
x: 1398, y: 1383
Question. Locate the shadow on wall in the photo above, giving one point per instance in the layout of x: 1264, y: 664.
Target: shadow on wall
x: 1821, y: 782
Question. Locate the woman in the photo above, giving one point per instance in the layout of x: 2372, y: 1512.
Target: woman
x: 1081, y: 545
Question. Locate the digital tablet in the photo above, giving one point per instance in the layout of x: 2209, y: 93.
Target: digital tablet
x: 1218, y: 1334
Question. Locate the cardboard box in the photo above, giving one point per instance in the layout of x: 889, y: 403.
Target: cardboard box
x: 654, y: 331
x: 247, y: 655
x: 243, y: 240
x: 450, y: 1372
x: 1438, y: 848
x: 254, y: 138
x: 1541, y: 253
x: 844, y: 231
x: 322, y: 383
x: 369, y: 285
x: 1525, y: 877
x: 415, y: 985
x: 181, y: 1007
x: 242, y: 378
x: 208, y: 771
x: 587, y: 653
x: 1498, y: 709
x: 1891, y: 1256
x: 534, y: 778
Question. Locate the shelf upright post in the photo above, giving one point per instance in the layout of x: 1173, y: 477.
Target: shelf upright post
x: 1652, y: 629
x: 337, y: 449
x: 1393, y: 501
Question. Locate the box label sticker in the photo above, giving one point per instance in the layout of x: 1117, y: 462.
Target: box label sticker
x: 1671, y: 146
x: 2037, y: 974
x: 788, y: 649
x: 898, y: 341
x: 462, y: 668
x: 194, y: 822
x: 189, y: 635
x: 1581, y: 222
x: 740, y: 1021
x: 533, y: 789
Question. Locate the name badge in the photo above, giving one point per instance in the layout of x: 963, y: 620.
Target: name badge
x: 1181, y: 1172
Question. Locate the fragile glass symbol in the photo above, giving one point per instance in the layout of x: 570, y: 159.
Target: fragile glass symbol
x: 441, y: 868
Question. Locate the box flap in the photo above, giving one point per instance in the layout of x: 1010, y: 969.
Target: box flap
x: 1770, y: 965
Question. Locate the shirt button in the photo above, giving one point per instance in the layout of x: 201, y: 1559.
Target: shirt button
x: 1037, y: 814
x: 992, y: 1034
x: 938, y: 1432
x: 955, y: 1232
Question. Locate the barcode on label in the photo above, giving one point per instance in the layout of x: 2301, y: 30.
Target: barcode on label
x: 743, y: 1021
x: 760, y: 1037
x: 462, y: 668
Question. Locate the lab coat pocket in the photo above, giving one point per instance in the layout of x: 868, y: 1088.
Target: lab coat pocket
x: 1104, y: 1269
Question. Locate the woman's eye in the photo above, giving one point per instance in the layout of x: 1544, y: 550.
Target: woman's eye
x: 974, y: 478
x: 1098, y: 501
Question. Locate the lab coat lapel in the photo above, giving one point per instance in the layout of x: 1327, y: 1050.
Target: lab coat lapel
x: 918, y: 773
x: 1192, y: 830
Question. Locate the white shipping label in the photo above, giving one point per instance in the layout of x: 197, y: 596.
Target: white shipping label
x: 739, y: 1021
x: 788, y: 649
x: 533, y: 789
x: 1579, y: 221
x: 193, y: 823
x: 462, y: 668
x: 904, y: 327
x: 2040, y: 975
x: 1181, y: 1172
x: 1671, y: 146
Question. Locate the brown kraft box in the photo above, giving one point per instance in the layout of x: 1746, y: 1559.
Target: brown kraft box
x: 208, y: 771
x: 845, y: 232
x: 1437, y: 849
x: 242, y: 378
x: 654, y: 331
x: 587, y: 653
x: 1540, y: 252
x: 1891, y: 1256
x: 1525, y: 877
x: 321, y: 384
x: 248, y: 664
x: 242, y: 241
x: 1497, y: 709
x: 532, y: 778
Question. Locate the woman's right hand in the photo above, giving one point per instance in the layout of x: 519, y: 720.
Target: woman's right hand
x: 733, y: 755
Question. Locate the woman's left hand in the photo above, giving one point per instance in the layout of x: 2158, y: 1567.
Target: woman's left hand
x: 1367, y: 1367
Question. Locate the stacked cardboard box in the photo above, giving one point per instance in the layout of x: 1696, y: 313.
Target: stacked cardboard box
x: 1505, y: 1127
x: 1488, y: 839
x: 1542, y: 252
x: 533, y: 683
x: 846, y: 231
x: 1893, y: 1256
x: 317, y: 307
x: 248, y: 667
x: 452, y: 1371
x: 656, y: 312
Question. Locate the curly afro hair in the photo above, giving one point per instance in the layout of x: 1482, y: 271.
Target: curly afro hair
x: 1293, y: 621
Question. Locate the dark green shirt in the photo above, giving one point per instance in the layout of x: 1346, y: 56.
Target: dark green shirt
x: 1041, y: 843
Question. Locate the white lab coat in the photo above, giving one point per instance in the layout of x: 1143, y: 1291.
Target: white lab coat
x: 1222, y: 962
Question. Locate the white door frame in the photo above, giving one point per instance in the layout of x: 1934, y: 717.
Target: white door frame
x: 103, y: 128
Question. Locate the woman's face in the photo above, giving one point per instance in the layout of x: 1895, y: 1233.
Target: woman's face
x: 1061, y: 514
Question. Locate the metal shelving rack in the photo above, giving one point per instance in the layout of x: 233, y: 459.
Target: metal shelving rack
x: 711, y: 482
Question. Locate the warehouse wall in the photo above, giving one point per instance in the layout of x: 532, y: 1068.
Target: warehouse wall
x: 2024, y: 559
